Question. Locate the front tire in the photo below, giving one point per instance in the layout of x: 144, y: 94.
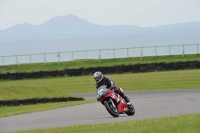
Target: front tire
x: 112, y: 110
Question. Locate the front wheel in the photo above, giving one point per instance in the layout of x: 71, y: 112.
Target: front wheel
x: 111, y: 109
x: 131, y: 110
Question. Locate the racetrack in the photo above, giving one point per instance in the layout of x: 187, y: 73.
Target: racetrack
x: 148, y: 104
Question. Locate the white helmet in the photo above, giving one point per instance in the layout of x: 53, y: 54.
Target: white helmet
x: 98, y: 76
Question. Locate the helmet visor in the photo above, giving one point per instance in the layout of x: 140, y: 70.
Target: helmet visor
x: 96, y: 79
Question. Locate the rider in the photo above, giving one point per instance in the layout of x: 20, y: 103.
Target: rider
x: 103, y: 80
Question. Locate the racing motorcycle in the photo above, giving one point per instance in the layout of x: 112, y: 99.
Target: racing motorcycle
x: 113, y: 102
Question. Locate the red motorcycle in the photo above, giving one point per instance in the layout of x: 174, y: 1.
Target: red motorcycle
x: 113, y: 102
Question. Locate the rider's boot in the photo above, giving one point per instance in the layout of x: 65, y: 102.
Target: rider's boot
x: 128, y: 102
x: 121, y: 93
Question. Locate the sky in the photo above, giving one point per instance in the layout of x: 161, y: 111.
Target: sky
x: 143, y: 13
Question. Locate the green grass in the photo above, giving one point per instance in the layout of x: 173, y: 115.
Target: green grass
x: 94, y: 63
x: 15, y: 110
x: 64, y: 86
x: 177, y: 124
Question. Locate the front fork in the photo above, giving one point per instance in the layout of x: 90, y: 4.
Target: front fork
x: 113, y: 104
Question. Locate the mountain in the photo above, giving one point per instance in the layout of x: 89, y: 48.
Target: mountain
x: 71, y: 33
x: 71, y: 27
x: 63, y: 27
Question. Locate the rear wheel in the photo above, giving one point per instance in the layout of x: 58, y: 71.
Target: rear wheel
x: 111, y: 109
x: 131, y: 110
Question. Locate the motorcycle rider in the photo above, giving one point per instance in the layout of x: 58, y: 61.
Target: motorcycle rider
x: 103, y: 80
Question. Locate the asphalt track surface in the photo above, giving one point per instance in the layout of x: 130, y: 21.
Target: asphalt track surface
x: 148, y: 104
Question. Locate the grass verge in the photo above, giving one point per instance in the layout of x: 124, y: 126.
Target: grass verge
x: 174, y: 124
x: 64, y: 86
x: 15, y: 110
x: 94, y: 63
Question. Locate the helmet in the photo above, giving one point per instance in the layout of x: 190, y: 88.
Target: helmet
x: 98, y: 76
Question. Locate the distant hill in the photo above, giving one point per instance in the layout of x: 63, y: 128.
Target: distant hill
x: 71, y: 33
x: 72, y: 27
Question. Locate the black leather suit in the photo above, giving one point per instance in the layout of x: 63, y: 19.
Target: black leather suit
x: 111, y: 85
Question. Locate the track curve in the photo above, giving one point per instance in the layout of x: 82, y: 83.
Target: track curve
x: 148, y: 104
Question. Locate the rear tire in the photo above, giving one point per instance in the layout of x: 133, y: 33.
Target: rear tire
x: 112, y: 110
x: 131, y: 110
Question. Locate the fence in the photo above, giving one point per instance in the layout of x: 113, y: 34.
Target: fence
x: 102, y: 54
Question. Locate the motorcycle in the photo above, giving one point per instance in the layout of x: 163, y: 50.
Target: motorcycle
x: 113, y: 102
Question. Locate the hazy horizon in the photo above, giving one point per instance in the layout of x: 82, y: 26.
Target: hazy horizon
x: 107, y: 14
x: 103, y: 12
